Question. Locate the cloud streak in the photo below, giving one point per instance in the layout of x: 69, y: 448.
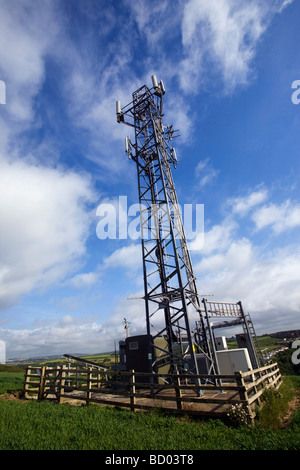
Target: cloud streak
x: 280, y: 217
x: 222, y: 35
x: 23, y: 51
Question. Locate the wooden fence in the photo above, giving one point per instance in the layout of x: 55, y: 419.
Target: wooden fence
x: 174, y: 393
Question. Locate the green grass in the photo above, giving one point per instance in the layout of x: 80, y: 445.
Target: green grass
x: 31, y: 425
x: 264, y: 341
x: 11, y: 382
x: 47, y: 426
x: 276, y: 403
x: 106, y: 359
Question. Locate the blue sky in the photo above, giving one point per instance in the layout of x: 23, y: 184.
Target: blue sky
x: 228, y: 67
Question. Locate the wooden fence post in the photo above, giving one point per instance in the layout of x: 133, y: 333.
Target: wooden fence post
x: 62, y: 383
x: 42, y: 384
x: 26, y: 385
x: 241, y: 385
x: 89, y: 386
x: 178, y: 391
x: 243, y: 393
x: 132, y: 390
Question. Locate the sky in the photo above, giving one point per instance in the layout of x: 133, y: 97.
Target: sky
x: 231, y: 70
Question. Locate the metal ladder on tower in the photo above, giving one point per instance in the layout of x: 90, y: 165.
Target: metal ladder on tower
x: 254, y: 339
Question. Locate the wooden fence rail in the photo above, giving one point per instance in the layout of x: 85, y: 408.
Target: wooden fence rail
x: 137, y: 390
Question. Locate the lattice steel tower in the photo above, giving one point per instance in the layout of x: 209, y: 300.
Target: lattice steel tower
x: 171, y: 296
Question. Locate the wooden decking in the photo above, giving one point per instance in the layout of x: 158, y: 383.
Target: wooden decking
x: 171, y: 393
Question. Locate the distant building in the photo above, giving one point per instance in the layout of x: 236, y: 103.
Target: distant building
x: 2, y: 352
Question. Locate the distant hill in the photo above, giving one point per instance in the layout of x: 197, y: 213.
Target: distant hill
x: 288, y: 334
x: 267, y: 340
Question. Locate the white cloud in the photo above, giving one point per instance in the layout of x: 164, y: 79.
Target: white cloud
x: 235, y: 256
x: 34, y: 34
x: 233, y: 267
x: 77, y: 334
x: 222, y: 35
x: 29, y: 34
x: 46, y: 226
x: 279, y: 217
x: 83, y: 280
x: 267, y: 285
x: 22, y: 51
x: 125, y: 257
x: 68, y: 335
x: 131, y: 308
x: 205, y: 173
x: 45, y: 209
x: 216, y: 239
x: 146, y: 19
x: 91, y: 94
x: 242, y: 205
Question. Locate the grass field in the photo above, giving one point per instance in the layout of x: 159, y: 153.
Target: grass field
x: 11, y: 382
x: 46, y: 426
x: 264, y: 342
x: 31, y: 425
